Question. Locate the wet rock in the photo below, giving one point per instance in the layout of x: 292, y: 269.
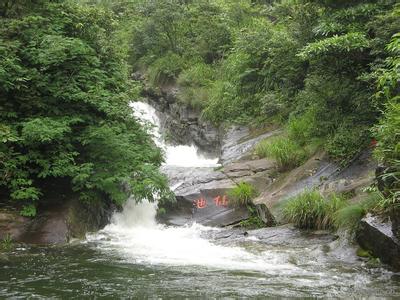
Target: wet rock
x: 12, y: 224
x: 284, y: 235
x: 265, y: 215
x: 346, y: 185
x: 60, y: 222
x: 192, y: 184
x: 310, y: 175
x: 238, y: 143
x: 253, y: 166
x: 376, y: 235
x: 319, y: 172
x: 395, y: 218
x: 183, y: 125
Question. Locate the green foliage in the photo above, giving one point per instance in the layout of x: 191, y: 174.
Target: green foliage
x: 165, y: 69
x: 387, y: 131
x: 65, y: 115
x: 311, y: 65
x: 254, y: 221
x: 306, y: 210
x: 7, y: 243
x: 309, y: 210
x: 350, y: 216
x: 353, y: 41
x: 347, y: 142
x: 28, y: 211
x: 283, y: 150
x: 299, y: 128
x: 195, y: 83
x: 161, y: 212
x: 242, y: 194
x: 363, y: 253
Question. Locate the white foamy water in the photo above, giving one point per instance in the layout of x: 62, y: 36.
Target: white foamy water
x: 135, y: 234
x: 180, y: 156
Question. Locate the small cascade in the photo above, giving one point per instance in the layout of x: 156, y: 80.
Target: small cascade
x: 175, y: 155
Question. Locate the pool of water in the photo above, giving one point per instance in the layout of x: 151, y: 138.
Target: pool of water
x: 102, y: 268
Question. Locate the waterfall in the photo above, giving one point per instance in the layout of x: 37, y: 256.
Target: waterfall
x: 135, y: 234
x: 175, y: 155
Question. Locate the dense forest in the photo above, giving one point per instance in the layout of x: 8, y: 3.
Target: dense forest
x: 64, y: 106
x: 327, y: 72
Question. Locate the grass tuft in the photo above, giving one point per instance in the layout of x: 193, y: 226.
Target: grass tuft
x: 283, y: 150
x: 242, y: 194
x: 310, y: 210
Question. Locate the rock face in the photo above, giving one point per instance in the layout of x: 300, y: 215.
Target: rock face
x: 12, y: 224
x: 319, y: 172
x: 377, y: 236
x: 55, y: 224
x: 238, y: 142
x: 183, y: 124
x: 310, y: 175
x: 196, y: 184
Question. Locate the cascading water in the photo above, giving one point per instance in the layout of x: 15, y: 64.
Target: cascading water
x: 181, y: 155
x: 135, y: 233
x: 134, y: 257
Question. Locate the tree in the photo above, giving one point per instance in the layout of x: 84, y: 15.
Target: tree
x: 65, y: 116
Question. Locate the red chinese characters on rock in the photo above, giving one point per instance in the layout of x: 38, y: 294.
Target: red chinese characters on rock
x: 221, y: 201
x: 201, y: 203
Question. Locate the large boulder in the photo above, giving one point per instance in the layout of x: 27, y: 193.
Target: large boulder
x: 55, y: 223
x: 193, y: 184
x: 375, y: 235
x: 12, y: 224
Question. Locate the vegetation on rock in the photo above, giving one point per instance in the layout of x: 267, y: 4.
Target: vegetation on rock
x: 242, y: 194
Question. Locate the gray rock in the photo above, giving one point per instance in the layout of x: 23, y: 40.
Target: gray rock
x: 60, y: 222
x: 265, y: 215
x: 238, y: 142
x: 12, y: 224
x: 192, y: 184
x: 376, y: 235
x: 182, y: 124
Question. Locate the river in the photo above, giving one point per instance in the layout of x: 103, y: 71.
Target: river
x: 135, y: 257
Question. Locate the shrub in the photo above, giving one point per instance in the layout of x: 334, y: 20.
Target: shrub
x: 347, y: 142
x: 194, y: 85
x: 283, y: 150
x: 387, y: 151
x: 349, y: 217
x: 195, y: 97
x: 165, y: 69
x: 306, y: 210
x: 333, y: 204
x: 242, y: 194
x: 200, y: 74
x: 299, y: 128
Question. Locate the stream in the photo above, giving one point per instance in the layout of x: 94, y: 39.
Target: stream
x: 135, y: 257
